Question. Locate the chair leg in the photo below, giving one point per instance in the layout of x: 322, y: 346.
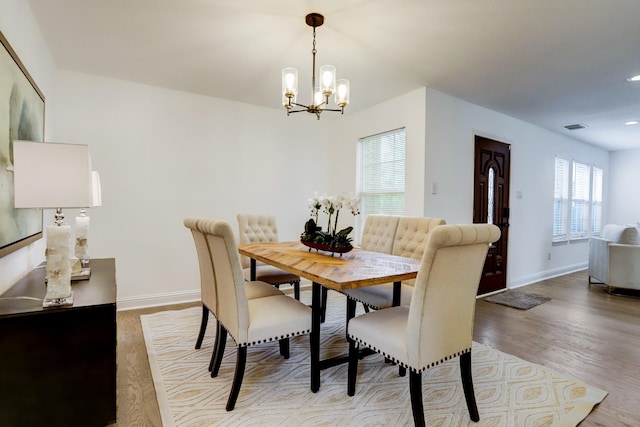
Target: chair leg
x: 203, y: 326
x: 284, y: 347
x: 353, y: 368
x: 218, y: 351
x: 415, y: 390
x: 241, y: 361
x: 366, y: 308
x: 402, y: 371
x: 296, y: 289
x: 216, y: 344
x: 467, y: 386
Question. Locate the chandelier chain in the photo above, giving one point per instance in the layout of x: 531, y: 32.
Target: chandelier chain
x: 314, y: 51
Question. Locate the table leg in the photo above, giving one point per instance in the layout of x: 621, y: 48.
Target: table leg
x: 316, y: 314
x: 397, y: 288
x: 252, y: 269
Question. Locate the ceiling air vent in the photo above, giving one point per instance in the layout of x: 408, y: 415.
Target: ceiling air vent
x: 575, y: 127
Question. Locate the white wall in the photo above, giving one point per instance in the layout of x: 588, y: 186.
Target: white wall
x: 165, y: 155
x: 19, y: 27
x: 406, y: 111
x: 624, y: 200
x: 451, y: 126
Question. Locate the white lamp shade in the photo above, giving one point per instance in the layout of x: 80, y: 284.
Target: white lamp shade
x: 48, y: 175
x: 97, y: 189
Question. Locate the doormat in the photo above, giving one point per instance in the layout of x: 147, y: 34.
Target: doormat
x: 517, y: 299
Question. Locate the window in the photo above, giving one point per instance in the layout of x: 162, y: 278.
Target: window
x: 381, y: 174
x: 580, y: 196
x: 577, y: 209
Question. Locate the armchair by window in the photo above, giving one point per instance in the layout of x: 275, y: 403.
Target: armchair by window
x: 614, y: 257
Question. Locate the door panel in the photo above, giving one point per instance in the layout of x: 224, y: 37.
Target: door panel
x: 491, y: 205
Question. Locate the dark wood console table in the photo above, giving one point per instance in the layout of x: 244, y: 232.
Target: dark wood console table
x: 58, y: 365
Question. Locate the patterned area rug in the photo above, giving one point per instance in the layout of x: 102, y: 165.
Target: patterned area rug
x: 517, y: 299
x: 275, y: 392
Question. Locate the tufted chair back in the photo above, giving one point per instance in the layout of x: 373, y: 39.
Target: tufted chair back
x: 440, y: 320
x: 411, y: 237
x: 208, y: 293
x: 232, y: 307
x: 378, y: 233
x: 256, y: 229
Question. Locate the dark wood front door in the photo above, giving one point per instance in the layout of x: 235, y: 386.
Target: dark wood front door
x: 491, y: 205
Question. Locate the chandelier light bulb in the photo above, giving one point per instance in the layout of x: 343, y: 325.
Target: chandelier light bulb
x: 342, y: 93
x: 328, y: 79
x: 289, y: 82
x: 318, y: 99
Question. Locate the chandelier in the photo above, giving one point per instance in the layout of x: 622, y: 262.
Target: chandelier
x: 327, y: 86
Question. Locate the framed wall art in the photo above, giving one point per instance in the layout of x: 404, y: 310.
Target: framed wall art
x: 21, y: 118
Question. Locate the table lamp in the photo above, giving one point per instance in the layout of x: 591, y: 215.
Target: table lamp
x: 53, y: 176
x: 83, y: 221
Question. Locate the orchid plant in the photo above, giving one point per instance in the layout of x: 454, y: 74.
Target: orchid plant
x: 330, y: 205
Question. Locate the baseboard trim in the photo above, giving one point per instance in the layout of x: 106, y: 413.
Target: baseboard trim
x: 548, y: 274
x: 168, y: 298
x: 155, y: 300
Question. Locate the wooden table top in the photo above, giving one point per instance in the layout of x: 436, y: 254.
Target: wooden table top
x: 351, y: 270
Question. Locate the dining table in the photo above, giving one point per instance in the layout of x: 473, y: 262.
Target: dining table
x: 339, y: 272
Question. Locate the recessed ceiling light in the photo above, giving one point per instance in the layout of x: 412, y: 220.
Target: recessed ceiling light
x: 634, y: 78
x: 631, y: 122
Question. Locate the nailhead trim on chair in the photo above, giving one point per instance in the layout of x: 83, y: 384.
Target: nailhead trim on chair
x: 247, y: 344
x: 292, y: 282
x: 404, y: 365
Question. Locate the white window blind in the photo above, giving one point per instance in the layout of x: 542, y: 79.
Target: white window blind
x: 561, y: 200
x: 381, y: 183
x: 596, y: 201
x: 580, y: 195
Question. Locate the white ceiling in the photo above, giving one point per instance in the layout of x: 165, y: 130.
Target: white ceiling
x: 548, y: 62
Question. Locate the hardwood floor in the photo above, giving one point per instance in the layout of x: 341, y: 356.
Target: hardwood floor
x: 582, y: 332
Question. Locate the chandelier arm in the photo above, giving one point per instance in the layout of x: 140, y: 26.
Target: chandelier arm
x: 300, y: 105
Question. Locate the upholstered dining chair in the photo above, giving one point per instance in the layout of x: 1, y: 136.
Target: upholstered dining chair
x: 438, y: 324
x: 395, y: 235
x: 260, y: 229
x: 248, y: 321
x: 208, y: 295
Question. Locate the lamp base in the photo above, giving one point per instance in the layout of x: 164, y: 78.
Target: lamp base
x: 58, y: 302
x: 83, y: 274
